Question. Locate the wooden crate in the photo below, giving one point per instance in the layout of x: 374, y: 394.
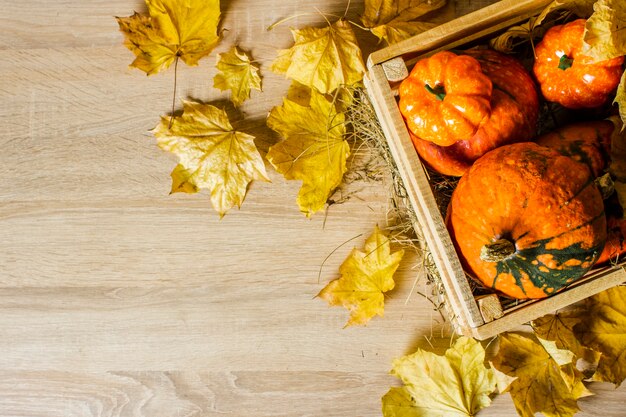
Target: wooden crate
x: 479, y: 317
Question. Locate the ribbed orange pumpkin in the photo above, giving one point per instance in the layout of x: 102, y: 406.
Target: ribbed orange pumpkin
x: 569, y: 77
x: 445, y: 98
x: 513, y: 118
x: 527, y: 221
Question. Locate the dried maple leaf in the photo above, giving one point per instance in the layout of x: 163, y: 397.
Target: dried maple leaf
x: 211, y: 153
x: 238, y: 74
x: 365, y: 276
x: 559, y: 329
x: 605, y: 31
x: 545, y: 381
x: 454, y: 385
x: 314, y: 150
x: 322, y: 58
x: 394, y: 32
x: 604, y: 329
x: 172, y: 29
x: 394, y: 21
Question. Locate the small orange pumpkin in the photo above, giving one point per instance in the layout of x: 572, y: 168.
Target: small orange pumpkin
x: 513, y: 117
x: 569, y: 77
x: 527, y: 221
x: 445, y: 98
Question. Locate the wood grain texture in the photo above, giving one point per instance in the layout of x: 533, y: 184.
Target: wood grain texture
x: 117, y: 299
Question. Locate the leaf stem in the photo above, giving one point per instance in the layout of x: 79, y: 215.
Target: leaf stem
x: 174, y: 95
x: 319, y: 275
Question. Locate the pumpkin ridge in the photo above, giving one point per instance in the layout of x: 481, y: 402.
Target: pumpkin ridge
x: 591, y: 221
x: 590, y: 181
x: 505, y: 91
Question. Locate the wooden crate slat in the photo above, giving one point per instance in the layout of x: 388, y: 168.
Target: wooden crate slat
x: 423, y: 200
x: 463, y: 29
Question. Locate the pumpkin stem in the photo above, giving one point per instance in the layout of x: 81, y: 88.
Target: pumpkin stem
x: 497, y: 251
x: 565, y: 62
x: 439, y: 91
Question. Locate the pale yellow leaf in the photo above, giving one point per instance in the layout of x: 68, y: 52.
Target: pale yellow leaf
x: 322, y: 58
x: 605, y: 31
x: 541, y: 384
x: 212, y: 155
x: 314, y: 150
x: 604, y: 329
x: 237, y: 74
x: 560, y: 356
x: 365, y: 277
x: 620, y: 99
x: 454, y: 385
x: 172, y: 29
x: 503, y: 381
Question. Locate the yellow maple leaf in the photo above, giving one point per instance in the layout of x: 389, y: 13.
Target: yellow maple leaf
x: 559, y: 328
x: 238, y: 74
x: 314, y: 150
x: 604, y: 329
x: 212, y: 155
x: 545, y: 381
x: 454, y: 385
x: 605, y: 31
x: 172, y: 29
x: 322, y: 58
x: 365, y: 277
x: 394, y: 20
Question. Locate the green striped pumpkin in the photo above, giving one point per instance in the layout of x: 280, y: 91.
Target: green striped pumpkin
x: 527, y: 221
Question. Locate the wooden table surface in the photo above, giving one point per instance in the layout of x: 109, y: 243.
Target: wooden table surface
x: 117, y: 299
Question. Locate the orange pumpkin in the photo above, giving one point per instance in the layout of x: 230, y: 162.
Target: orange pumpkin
x: 445, y: 98
x: 588, y: 142
x: 569, y: 77
x: 527, y: 221
x: 513, y: 117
